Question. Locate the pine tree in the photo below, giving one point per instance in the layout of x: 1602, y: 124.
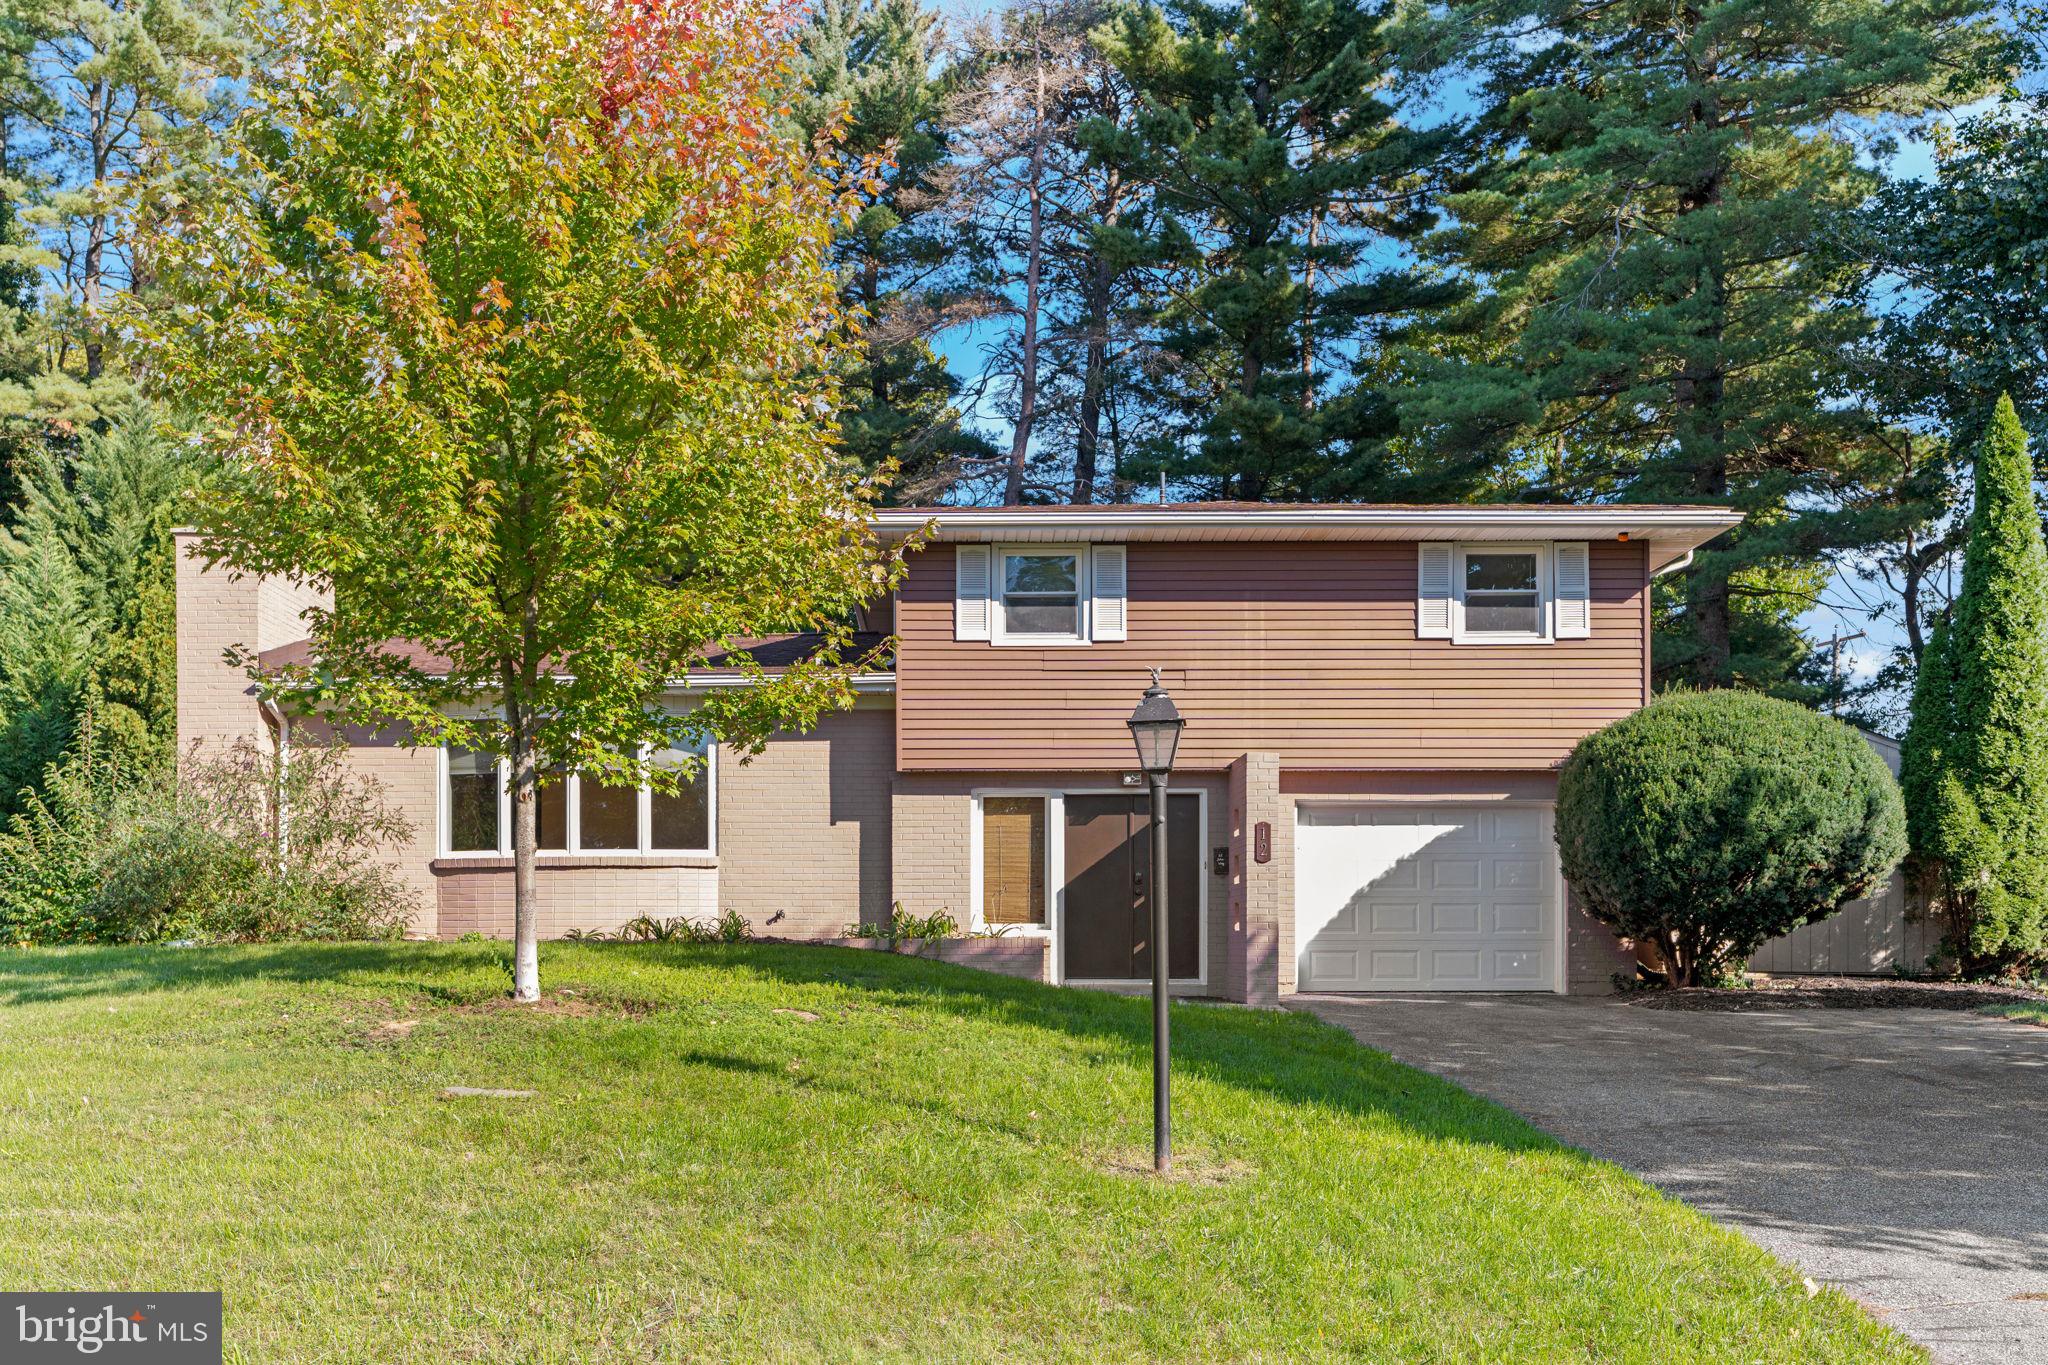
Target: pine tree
x: 875, y: 63
x: 1657, y: 319
x: 1279, y: 177
x: 1965, y: 243
x: 1975, y: 765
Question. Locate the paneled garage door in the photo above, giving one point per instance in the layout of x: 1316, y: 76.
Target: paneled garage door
x: 1425, y: 898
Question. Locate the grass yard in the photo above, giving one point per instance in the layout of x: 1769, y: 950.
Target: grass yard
x: 781, y: 1153
x: 2026, y: 1011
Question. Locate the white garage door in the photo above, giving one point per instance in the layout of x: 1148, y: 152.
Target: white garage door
x: 1425, y: 898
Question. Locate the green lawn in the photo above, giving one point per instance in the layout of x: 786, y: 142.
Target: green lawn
x: 2026, y: 1011
x: 938, y: 1165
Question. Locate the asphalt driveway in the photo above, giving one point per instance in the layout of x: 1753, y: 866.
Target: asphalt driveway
x: 1899, y: 1154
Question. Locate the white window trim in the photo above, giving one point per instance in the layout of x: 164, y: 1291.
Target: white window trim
x: 572, y: 786
x: 976, y: 922
x: 1084, y: 612
x: 1546, y: 613
x: 1056, y: 879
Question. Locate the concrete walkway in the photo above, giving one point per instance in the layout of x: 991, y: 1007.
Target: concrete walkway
x: 1899, y: 1154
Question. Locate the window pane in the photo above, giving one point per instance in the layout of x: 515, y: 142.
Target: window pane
x: 1509, y: 571
x: 1039, y: 573
x: 1504, y: 613
x: 551, y: 816
x: 472, y: 802
x: 1041, y: 616
x: 611, y: 816
x: 684, y: 819
x: 1013, y: 860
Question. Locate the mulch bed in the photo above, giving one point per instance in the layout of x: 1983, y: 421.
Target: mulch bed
x: 1837, y: 993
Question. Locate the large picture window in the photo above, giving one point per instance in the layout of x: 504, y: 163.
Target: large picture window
x: 578, y: 814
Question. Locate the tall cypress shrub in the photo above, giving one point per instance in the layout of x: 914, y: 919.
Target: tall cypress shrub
x: 1976, y: 761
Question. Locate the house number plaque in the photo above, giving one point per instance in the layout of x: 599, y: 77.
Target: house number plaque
x: 1262, y: 842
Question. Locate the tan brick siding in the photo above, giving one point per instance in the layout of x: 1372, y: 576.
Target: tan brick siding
x: 407, y: 779
x: 1261, y: 894
x: 577, y: 894
x: 1592, y: 954
x: 218, y: 611
x: 804, y: 829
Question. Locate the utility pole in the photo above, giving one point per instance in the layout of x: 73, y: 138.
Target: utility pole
x: 1835, y: 643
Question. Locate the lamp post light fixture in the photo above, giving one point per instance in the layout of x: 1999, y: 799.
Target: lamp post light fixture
x: 1155, y: 729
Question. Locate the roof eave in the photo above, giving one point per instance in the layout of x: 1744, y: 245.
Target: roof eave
x: 1669, y: 531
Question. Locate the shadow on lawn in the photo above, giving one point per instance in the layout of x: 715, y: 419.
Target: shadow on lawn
x: 1290, y: 1057
x: 1279, y: 1055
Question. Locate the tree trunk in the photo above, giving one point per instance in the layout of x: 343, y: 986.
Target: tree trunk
x: 1308, y: 314
x: 1094, y: 371
x: 1909, y: 595
x: 98, y: 115
x: 525, y: 809
x: 1034, y: 267
x: 1702, y: 383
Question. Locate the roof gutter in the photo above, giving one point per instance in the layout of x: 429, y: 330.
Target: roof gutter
x: 1136, y: 518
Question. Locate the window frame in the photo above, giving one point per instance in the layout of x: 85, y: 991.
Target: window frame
x: 999, y: 632
x: 978, y: 921
x: 572, y: 788
x: 1546, y: 615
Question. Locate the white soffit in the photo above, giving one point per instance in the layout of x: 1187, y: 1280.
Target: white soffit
x: 1670, y: 531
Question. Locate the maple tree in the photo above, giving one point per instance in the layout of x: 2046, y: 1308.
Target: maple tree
x: 516, y: 321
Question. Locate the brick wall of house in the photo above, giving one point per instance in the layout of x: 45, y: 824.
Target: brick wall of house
x: 407, y: 781
x: 475, y: 896
x: 804, y: 828
x: 1261, y: 894
x: 218, y: 610
x: 1593, y: 956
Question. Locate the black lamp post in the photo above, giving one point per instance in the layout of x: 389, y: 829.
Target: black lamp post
x: 1155, y: 729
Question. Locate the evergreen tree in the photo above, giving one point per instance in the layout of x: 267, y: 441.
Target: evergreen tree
x: 1279, y: 179
x: 1975, y: 762
x: 1657, y: 319
x: 1968, y: 325
x: 875, y: 65
x: 87, y: 605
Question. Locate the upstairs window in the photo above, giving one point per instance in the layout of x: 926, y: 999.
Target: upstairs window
x: 1041, y: 595
x: 1502, y: 592
x: 1036, y: 595
x: 1482, y: 593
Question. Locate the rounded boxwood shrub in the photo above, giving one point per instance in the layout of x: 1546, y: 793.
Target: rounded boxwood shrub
x: 1709, y: 822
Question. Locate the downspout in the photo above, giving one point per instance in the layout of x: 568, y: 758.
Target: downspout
x: 283, y: 743
x: 1675, y: 565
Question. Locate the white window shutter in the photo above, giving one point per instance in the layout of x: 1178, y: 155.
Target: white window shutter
x: 1572, y: 577
x: 970, y: 592
x: 1433, y: 591
x: 1106, y: 586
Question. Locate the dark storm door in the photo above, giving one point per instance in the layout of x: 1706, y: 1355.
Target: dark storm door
x: 1107, y: 927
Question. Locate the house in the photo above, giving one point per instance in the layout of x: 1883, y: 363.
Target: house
x: 1377, y: 702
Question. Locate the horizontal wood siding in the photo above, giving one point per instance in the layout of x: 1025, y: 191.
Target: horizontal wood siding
x: 1301, y: 649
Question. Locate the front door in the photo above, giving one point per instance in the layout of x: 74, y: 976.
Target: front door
x: 1107, y: 929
